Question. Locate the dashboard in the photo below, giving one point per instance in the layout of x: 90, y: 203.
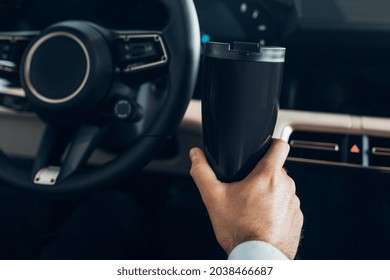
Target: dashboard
x: 21, y: 15
x: 336, y: 86
x: 337, y: 51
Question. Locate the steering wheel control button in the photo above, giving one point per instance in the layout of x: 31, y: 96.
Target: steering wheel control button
x: 127, y: 110
x: 57, y: 67
x: 123, y: 109
x: 138, y: 52
x: 47, y: 176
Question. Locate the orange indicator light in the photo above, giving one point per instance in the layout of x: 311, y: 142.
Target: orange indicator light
x: 355, y: 149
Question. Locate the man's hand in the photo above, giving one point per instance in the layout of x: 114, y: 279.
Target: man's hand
x: 262, y: 207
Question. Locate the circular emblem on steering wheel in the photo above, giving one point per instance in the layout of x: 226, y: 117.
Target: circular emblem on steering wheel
x: 57, y: 67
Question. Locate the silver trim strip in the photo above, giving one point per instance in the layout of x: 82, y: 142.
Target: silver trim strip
x: 8, y: 66
x: 365, y: 148
x: 30, y: 55
x: 7, y: 89
x: 157, y: 38
x: 17, y: 92
x: 47, y: 176
x: 272, y: 54
x: 332, y: 147
x: 14, y: 38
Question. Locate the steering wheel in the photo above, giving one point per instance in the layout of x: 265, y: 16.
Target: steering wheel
x: 82, y: 78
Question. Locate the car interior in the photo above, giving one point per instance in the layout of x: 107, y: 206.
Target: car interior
x: 101, y: 101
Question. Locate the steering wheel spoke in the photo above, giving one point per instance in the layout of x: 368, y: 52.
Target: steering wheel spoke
x: 63, y: 151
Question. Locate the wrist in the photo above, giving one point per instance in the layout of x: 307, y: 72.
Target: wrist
x: 256, y: 250
x: 237, y: 241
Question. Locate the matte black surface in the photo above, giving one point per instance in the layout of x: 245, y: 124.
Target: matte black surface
x: 336, y: 79
x: 240, y: 106
x: 346, y: 211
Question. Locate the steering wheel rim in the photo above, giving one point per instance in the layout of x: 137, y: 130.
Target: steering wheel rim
x: 182, y: 39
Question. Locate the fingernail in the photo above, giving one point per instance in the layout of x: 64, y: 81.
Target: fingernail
x: 193, y: 154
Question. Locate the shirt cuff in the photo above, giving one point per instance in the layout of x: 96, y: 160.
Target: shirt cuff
x: 256, y: 250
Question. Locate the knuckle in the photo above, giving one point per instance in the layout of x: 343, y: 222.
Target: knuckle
x: 298, y: 202
x: 273, y: 178
x: 195, y: 170
x: 277, y: 178
x: 300, y: 218
x: 270, y: 172
x: 291, y: 184
x: 264, y: 175
x: 282, y: 145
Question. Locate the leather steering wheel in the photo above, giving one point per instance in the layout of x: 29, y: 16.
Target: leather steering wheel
x: 81, y: 79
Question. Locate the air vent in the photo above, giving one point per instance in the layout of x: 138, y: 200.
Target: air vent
x: 340, y: 149
x: 317, y: 146
x: 379, y: 151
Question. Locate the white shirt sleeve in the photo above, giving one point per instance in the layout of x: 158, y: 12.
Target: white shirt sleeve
x: 256, y: 250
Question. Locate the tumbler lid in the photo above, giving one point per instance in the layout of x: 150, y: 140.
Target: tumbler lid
x: 245, y: 51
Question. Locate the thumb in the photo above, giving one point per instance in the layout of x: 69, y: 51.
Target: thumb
x: 205, y: 179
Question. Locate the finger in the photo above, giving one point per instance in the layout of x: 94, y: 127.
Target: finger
x: 205, y: 179
x: 275, y: 157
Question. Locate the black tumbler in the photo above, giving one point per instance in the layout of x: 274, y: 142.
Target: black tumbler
x: 240, y: 102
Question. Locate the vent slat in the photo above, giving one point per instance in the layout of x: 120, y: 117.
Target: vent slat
x: 316, y: 146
